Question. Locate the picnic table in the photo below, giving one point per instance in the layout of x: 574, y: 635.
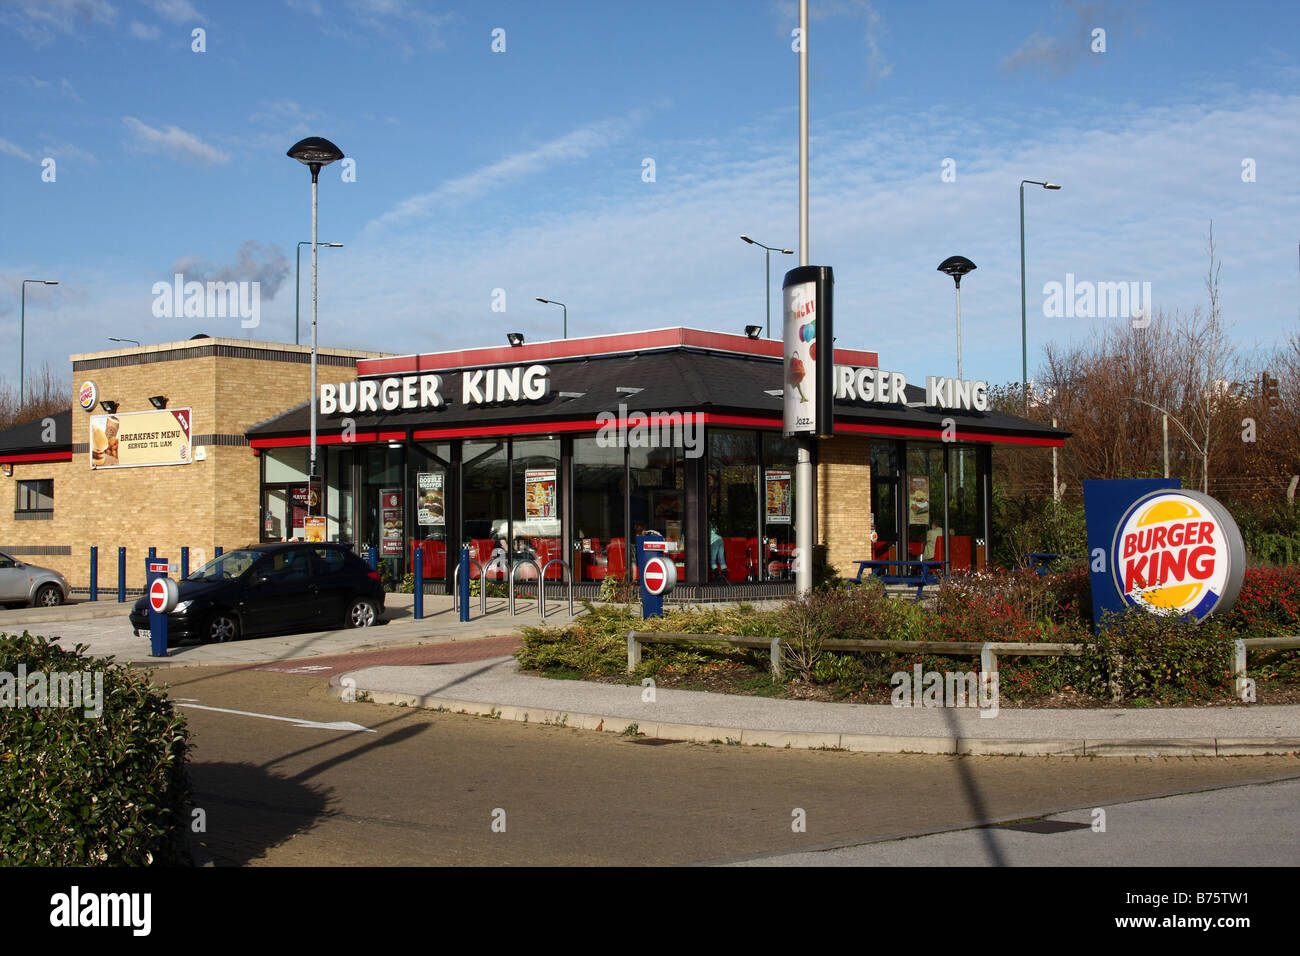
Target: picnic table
x: 915, y: 572
x: 1041, y: 561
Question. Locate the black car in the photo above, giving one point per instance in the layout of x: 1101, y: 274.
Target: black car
x: 271, y: 588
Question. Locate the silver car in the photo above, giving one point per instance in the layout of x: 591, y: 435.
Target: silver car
x: 23, y: 584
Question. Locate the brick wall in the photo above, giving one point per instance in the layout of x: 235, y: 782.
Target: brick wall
x: 844, y: 501
x: 199, y: 505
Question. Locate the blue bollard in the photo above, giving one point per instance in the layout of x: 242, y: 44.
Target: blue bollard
x: 464, y: 583
x: 216, y: 552
x: 185, y: 563
x: 94, y: 573
x: 121, y: 575
x: 157, y: 622
x: 419, y: 584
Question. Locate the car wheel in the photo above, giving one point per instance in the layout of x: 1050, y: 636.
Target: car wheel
x: 361, y: 613
x: 223, y: 626
x: 49, y: 595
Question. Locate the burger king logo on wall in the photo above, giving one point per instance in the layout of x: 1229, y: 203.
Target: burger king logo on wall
x: 1178, y: 553
x: 87, y: 395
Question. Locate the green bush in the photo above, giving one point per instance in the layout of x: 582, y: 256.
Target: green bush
x: 78, y: 790
x: 1150, y: 658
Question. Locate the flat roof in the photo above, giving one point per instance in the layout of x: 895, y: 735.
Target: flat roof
x: 618, y: 343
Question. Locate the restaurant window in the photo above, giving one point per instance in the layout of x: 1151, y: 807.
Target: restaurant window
x: 965, y: 542
x: 599, y: 512
x: 36, y: 497
x: 656, y: 500
x: 779, y: 457
x: 535, y: 500
x: 339, y: 495
x: 733, y: 502
x: 925, y: 493
x: 485, y: 496
x: 885, y: 495
x: 383, y: 511
x: 430, y: 490
x: 284, y: 494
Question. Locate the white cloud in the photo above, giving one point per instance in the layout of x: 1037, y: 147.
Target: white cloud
x: 12, y: 149
x: 41, y: 21
x: 177, y: 11
x: 572, y: 147
x: 174, y: 142
x: 143, y: 31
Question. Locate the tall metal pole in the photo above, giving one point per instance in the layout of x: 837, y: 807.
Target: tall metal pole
x: 959, y: 375
x: 22, y: 338
x: 1024, y: 337
x: 315, y: 173
x: 767, y: 254
x: 297, y: 289
x: 803, y: 466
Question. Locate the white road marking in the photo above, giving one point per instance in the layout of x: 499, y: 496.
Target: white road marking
x: 296, y: 721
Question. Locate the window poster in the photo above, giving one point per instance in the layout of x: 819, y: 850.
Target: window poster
x: 778, y: 492
x: 918, y: 500
x: 431, y: 503
x: 539, y: 494
x: 390, y: 521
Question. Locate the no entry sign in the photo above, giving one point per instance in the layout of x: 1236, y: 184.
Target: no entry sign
x: 163, y: 594
x: 658, y: 576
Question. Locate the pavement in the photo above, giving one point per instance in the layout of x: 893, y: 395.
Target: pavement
x: 378, y: 663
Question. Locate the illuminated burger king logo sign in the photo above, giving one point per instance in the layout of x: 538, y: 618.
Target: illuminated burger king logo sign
x: 1176, y: 553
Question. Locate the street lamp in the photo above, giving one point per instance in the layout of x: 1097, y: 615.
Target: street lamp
x: 314, y: 152
x: 22, y: 331
x: 957, y: 266
x: 561, y: 305
x: 113, y: 338
x: 297, y: 282
x: 1024, y: 337
x: 1203, y: 449
x: 768, y: 284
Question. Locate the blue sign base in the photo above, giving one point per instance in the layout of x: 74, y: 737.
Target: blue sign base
x: 1104, y: 503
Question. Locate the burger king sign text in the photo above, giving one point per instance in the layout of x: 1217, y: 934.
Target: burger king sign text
x: 1177, y: 552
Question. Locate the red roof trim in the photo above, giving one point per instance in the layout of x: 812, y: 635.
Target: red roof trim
x: 36, y: 458
x: 590, y: 348
x: 592, y: 424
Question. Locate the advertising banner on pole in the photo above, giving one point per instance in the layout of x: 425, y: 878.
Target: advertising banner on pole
x: 809, y: 381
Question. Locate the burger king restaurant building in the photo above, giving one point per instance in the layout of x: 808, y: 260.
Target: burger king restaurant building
x: 531, y: 453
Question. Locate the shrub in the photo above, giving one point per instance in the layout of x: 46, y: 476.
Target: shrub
x: 78, y: 790
x: 1269, y: 603
x: 1141, y: 656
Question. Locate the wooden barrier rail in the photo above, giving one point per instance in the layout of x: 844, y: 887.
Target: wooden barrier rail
x: 988, y: 651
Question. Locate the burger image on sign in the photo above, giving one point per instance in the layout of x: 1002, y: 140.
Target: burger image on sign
x: 1178, y: 553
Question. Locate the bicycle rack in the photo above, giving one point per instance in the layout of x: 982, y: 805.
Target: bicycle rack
x: 542, y: 585
x: 482, y: 588
x: 511, y: 584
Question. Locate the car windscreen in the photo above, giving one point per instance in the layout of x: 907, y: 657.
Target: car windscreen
x: 227, y: 567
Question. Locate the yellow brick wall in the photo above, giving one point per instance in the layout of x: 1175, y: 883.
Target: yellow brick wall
x: 844, y: 501
x: 199, y: 505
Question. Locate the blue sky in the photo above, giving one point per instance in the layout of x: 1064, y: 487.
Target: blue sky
x: 522, y: 170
